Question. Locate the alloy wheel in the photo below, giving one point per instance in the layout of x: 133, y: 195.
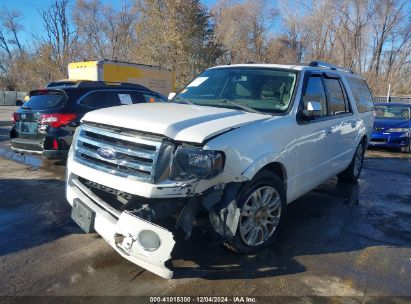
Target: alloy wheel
x: 260, y: 215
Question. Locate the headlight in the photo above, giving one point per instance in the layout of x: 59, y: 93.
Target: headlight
x: 195, y: 163
x: 400, y: 130
x: 73, y: 142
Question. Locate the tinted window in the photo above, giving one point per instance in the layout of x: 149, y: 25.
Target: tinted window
x: 152, y: 98
x: 104, y: 99
x: 362, y: 94
x: 128, y: 97
x: 100, y: 99
x: 43, y: 100
x: 315, y: 92
x: 338, y: 103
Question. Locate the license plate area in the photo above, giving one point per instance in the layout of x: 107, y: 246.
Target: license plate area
x: 25, y: 127
x: 83, y: 215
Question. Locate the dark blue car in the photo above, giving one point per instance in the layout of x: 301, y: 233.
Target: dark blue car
x: 392, y: 126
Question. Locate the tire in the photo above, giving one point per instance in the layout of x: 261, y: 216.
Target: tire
x: 353, y: 172
x: 258, y: 227
x: 407, y: 149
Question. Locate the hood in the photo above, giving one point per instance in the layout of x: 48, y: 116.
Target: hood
x: 384, y: 124
x: 180, y: 122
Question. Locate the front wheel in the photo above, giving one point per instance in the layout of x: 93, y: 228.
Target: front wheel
x: 263, y: 205
x: 352, y: 173
x: 407, y: 149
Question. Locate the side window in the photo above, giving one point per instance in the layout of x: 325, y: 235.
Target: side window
x: 100, y: 99
x: 362, y: 94
x: 338, y: 103
x: 130, y: 97
x: 153, y: 98
x: 314, y: 92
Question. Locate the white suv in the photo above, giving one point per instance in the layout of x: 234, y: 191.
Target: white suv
x: 230, y: 151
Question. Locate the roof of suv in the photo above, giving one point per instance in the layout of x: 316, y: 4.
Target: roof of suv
x: 313, y: 65
x: 89, y: 84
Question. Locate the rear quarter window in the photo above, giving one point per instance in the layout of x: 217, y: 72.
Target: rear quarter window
x: 362, y: 94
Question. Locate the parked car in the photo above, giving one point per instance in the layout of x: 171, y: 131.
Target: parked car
x: 231, y: 150
x: 45, y: 124
x: 392, y: 126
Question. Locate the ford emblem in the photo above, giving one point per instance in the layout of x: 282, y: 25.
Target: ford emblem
x: 107, y: 153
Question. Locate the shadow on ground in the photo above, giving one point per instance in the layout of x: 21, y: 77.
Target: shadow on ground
x: 333, y: 218
x: 32, y: 212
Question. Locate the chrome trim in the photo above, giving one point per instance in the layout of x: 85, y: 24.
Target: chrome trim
x: 134, y: 161
x: 114, y: 161
x: 123, y: 150
x: 131, y: 138
x: 27, y: 151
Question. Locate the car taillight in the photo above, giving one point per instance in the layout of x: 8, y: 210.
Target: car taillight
x: 57, y: 120
x: 15, y: 117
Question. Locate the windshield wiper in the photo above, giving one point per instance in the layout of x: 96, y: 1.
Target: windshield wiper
x: 248, y: 109
x: 187, y: 101
x: 26, y: 107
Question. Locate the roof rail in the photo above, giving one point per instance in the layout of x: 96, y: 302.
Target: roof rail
x: 93, y: 83
x: 323, y: 64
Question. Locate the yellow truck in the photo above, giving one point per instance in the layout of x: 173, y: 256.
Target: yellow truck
x: 152, y: 77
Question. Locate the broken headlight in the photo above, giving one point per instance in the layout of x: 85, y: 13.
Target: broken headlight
x: 195, y: 163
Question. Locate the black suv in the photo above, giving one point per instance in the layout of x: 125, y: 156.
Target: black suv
x: 45, y: 124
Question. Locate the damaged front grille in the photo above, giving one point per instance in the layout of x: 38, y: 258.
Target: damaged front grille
x: 148, y: 209
x: 130, y: 155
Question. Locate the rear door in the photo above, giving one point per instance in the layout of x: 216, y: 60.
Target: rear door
x: 41, y: 102
x: 342, y: 134
x: 110, y: 98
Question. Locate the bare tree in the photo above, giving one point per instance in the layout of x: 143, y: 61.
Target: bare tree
x: 58, y: 31
x: 242, y: 28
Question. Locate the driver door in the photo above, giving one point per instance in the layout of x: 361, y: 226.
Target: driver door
x: 312, y: 146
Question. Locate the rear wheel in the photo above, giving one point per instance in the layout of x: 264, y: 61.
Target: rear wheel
x: 263, y: 206
x: 352, y: 173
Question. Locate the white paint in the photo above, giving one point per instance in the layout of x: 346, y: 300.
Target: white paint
x: 309, y: 153
x: 180, y: 122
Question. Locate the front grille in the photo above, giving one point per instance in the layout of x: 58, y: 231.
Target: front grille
x: 136, y: 154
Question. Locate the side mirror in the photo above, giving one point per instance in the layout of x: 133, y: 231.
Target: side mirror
x: 171, y: 95
x: 313, y: 109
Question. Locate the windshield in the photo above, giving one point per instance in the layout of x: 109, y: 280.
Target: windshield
x: 395, y: 112
x: 248, y: 89
x: 44, y: 100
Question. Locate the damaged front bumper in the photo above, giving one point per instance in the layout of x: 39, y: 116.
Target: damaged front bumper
x: 133, y: 234
x: 139, y: 241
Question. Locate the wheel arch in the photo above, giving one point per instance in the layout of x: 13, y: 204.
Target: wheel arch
x: 276, y: 166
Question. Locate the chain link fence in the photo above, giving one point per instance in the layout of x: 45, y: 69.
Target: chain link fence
x: 401, y: 99
x: 12, y: 98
